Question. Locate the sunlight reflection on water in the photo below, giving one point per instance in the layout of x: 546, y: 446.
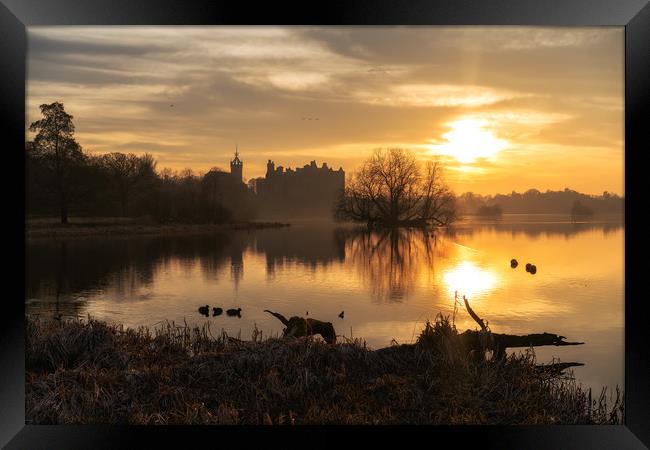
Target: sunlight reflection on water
x: 469, y: 280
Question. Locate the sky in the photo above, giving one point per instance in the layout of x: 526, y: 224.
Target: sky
x: 503, y: 108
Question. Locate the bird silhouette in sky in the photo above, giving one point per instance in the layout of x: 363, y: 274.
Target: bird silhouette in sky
x: 381, y: 70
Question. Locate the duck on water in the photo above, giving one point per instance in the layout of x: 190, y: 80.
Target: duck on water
x: 234, y: 312
x: 205, y: 310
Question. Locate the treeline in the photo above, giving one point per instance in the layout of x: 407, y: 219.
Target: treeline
x: 534, y: 201
x: 62, y: 179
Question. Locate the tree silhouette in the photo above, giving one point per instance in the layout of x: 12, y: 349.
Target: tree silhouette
x: 534, y: 201
x: 578, y: 209
x: 56, y: 148
x: 122, y: 184
x: 392, y: 189
x: 128, y: 172
x: 490, y: 211
x: 213, y: 191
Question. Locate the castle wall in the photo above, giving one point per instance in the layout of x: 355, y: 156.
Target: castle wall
x: 305, y: 191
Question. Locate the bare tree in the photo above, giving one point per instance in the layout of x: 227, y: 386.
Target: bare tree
x: 392, y: 188
x: 437, y: 201
x: 56, y: 147
x: 127, y: 172
x: 122, y: 171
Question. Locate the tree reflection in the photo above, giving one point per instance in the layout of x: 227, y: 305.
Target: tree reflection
x: 61, y: 274
x: 391, y: 262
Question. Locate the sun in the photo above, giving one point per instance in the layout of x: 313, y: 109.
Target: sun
x: 469, y: 140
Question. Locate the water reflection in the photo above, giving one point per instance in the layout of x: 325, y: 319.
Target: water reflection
x: 77, y: 268
x: 312, y: 246
x: 390, y: 263
x: 469, y: 280
x: 546, y: 225
x: 388, y: 283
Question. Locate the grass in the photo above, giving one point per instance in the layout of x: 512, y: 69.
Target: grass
x: 116, y: 226
x: 91, y: 372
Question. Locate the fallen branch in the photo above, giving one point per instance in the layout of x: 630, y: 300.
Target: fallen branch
x: 532, y: 340
x: 556, y: 368
x: 301, y: 327
x: 480, y: 341
x: 474, y: 315
x: 278, y: 316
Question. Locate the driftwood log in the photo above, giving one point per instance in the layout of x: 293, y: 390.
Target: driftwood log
x: 299, y: 327
x: 485, y: 340
x: 475, y: 342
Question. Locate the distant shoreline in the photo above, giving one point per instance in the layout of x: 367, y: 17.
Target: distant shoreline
x: 46, y: 229
x: 608, y: 217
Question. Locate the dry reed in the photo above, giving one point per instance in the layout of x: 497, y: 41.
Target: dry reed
x: 83, y: 372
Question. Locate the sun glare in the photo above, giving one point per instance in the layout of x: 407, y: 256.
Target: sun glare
x: 468, y: 279
x: 469, y: 140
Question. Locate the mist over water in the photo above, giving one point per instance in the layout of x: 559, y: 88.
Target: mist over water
x: 388, y: 283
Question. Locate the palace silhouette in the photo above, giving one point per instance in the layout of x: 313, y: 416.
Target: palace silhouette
x: 305, y: 191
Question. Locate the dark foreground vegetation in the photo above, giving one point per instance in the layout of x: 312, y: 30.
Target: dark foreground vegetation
x: 91, y: 372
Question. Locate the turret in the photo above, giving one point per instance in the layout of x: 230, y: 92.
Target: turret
x: 270, y: 169
x: 236, y: 167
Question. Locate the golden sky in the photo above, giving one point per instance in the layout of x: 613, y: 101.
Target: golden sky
x: 506, y: 108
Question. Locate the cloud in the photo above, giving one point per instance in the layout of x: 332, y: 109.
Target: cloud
x: 557, y: 88
x: 298, y: 80
x: 528, y: 117
x: 437, y: 95
x: 44, y: 45
x: 535, y: 38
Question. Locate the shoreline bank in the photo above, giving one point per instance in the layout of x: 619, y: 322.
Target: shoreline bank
x: 92, y: 372
x: 96, y: 229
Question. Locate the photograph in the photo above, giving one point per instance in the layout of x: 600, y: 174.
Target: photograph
x: 317, y: 225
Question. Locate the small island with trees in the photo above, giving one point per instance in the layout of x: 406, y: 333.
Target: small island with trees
x: 392, y: 189
x: 489, y: 211
x: 578, y: 211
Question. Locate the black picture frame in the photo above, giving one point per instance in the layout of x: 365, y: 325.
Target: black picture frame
x: 634, y: 15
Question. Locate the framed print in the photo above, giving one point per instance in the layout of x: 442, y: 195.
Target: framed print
x: 329, y: 217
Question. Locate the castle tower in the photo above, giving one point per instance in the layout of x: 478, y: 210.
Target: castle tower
x: 236, y: 167
x: 270, y: 169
